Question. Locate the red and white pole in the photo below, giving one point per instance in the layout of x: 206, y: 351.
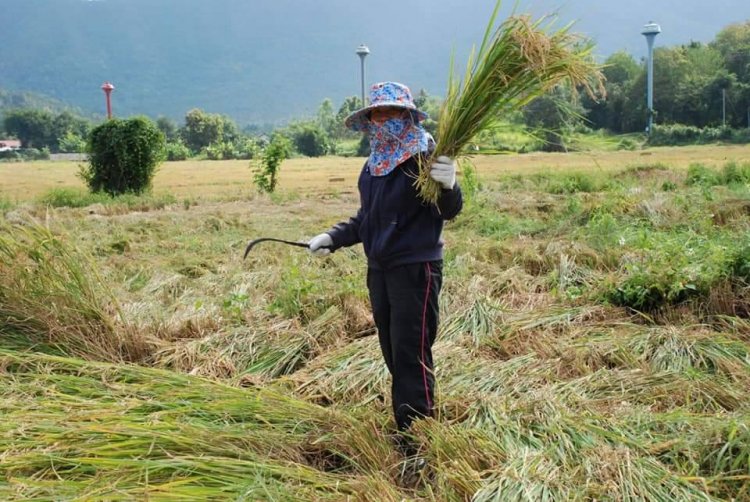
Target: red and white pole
x: 108, y: 88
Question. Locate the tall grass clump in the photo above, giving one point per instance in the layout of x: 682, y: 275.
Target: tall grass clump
x: 516, y: 63
x: 51, y: 293
x: 732, y: 172
x: 5, y: 203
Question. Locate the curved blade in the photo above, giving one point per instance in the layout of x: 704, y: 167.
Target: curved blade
x: 252, y: 244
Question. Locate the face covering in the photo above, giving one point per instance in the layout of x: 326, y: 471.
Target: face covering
x: 393, y: 142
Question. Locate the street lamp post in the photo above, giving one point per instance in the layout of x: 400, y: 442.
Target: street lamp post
x: 650, y: 31
x: 362, y: 52
x: 108, y: 88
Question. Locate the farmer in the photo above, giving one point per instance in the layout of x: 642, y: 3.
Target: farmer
x: 402, y: 240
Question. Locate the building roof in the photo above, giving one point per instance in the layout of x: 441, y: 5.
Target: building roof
x: 10, y: 143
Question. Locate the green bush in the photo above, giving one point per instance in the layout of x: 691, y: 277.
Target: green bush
x: 273, y: 155
x: 679, y: 134
x: 123, y: 156
x: 72, y: 143
x: 247, y: 148
x: 675, y: 268
x: 177, y: 150
x: 310, y: 139
x: 25, y: 154
x: 222, y: 150
x: 363, y: 149
x: 10, y: 156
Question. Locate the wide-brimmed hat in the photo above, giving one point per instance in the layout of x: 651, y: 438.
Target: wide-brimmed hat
x: 391, y: 94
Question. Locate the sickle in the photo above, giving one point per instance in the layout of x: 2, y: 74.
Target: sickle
x: 252, y: 244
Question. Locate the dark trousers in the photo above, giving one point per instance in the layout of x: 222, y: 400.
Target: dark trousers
x: 405, y: 307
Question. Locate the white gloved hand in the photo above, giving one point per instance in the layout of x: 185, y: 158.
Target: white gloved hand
x: 444, y: 172
x: 320, y: 244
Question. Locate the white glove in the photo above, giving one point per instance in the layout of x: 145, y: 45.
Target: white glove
x: 319, y: 245
x: 444, y: 172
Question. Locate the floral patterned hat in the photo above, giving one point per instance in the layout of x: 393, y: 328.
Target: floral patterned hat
x: 384, y: 94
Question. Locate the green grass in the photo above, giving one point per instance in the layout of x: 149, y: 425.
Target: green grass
x: 70, y: 197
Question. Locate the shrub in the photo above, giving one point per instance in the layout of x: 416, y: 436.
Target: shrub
x: 25, y: 154
x: 177, y: 150
x: 72, y: 143
x: 310, y: 139
x: 123, y: 156
x: 10, y: 156
x: 247, y: 148
x: 274, y: 154
x: 363, y: 150
x: 679, y: 134
x: 222, y: 150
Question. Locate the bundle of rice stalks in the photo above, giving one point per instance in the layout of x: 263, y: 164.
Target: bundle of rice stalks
x: 516, y: 63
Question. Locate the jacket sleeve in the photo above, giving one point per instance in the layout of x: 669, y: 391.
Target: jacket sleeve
x: 449, y: 204
x: 346, y: 233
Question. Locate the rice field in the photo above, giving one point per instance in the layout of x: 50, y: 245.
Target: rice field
x: 594, y: 340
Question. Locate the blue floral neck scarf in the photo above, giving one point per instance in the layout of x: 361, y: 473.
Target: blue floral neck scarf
x: 393, y: 142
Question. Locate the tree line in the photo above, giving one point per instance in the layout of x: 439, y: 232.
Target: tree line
x: 700, y: 85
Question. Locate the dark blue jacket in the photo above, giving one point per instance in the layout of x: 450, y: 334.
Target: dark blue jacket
x: 393, y: 224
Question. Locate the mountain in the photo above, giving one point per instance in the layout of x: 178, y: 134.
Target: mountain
x: 10, y: 100
x: 273, y: 60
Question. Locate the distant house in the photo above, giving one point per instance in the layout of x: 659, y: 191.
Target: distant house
x: 9, y: 144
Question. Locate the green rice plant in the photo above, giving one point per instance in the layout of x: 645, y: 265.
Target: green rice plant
x: 52, y: 293
x: 699, y: 174
x: 517, y: 62
x: 733, y: 172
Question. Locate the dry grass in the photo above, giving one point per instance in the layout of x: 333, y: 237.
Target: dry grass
x: 24, y: 182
